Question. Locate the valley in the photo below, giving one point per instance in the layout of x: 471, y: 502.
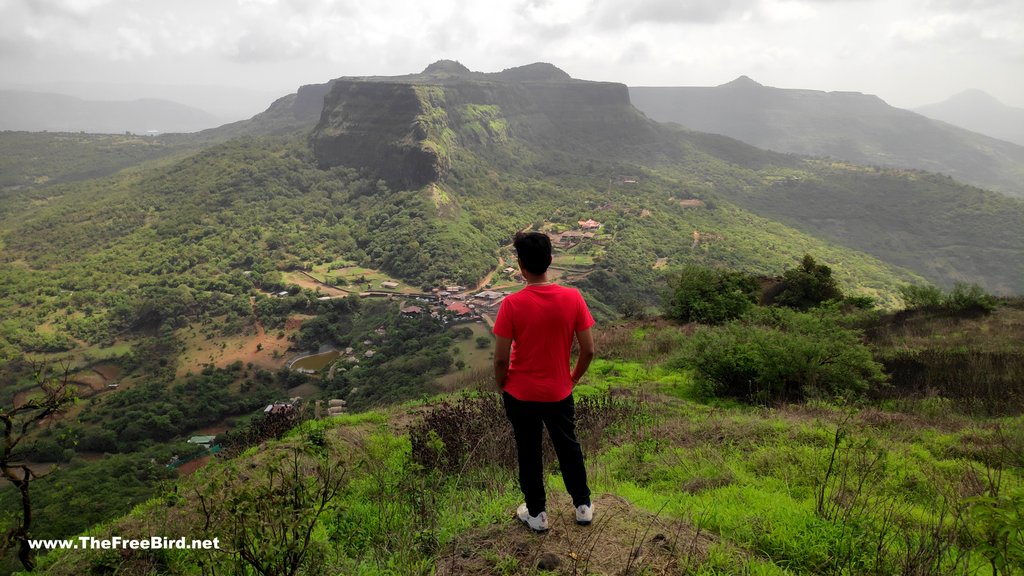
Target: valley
x: 352, y: 244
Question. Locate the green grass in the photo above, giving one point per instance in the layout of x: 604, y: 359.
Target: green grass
x: 747, y: 477
x: 572, y: 260
x: 607, y: 374
x: 475, y: 358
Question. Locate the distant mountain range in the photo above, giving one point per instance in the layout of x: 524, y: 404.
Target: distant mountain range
x: 40, y: 111
x: 848, y: 126
x: 980, y: 112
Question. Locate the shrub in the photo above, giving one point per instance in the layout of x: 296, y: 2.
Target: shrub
x: 710, y: 296
x: 270, y: 512
x: 809, y: 285
x: 963, y: 298
x: 782, y: 355
x: 473, y: 432
x: 969, y: 298
x: 915, y: 296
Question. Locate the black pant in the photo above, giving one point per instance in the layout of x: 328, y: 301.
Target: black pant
x: 528, y: 421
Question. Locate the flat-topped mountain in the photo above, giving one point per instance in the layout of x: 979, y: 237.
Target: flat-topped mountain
x: 423, y: 175
x: 848, y: 126
x: 405, y: 128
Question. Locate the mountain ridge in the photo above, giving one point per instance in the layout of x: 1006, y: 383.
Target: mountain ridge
x: 39, y: 111
x: 454, y: 137
x: 980, y: 112
x: 850, y: 126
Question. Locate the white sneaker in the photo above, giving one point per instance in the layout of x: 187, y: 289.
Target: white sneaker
x: 584, y: 514
x: 538, y: 523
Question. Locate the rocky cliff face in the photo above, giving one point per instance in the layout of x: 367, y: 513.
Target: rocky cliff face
x: 406, y: 129
x: 374, y: 125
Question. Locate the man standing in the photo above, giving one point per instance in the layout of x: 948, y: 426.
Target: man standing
x: 535, y: 328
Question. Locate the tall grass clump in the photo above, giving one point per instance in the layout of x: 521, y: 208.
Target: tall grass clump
x: 472, y: 431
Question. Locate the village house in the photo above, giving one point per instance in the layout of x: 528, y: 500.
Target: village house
x: 204, y: 441
x: 589, y: 224
x: 459, y: 309
x: 571, y: 238
x: 389, y: 285
x: 411, y: 311
x: 280, y: 408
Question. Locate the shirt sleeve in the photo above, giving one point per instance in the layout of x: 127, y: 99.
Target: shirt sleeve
x: 583, y: 318
x: 503, y: 323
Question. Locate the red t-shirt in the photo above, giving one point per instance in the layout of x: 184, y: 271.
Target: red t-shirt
x: 541, y: 321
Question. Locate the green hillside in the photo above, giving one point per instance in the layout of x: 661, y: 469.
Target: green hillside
x: 34, y: 159
x: 681, y: 486
x: 176, y: 292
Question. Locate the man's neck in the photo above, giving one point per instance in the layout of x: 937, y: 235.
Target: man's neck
x: 534, y: 280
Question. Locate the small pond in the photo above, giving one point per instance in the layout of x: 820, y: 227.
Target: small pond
x: 316, y: 362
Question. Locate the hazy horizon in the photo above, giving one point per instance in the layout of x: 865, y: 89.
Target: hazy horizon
x: 909, y: 53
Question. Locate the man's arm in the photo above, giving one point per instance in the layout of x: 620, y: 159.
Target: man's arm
x: 586, y: 341
x: 502, y: 353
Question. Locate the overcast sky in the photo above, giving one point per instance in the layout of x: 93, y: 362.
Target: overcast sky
x: 909, y: 52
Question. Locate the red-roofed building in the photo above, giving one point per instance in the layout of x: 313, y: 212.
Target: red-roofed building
x: 459, y: 309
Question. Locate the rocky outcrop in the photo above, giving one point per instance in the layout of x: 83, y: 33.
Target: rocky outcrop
x: 406, y: 129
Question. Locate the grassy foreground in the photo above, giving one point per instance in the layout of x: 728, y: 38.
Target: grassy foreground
x: 681, y: 486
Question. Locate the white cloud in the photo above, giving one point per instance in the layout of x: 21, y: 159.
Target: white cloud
x: 788, y: 11
x: 865, y: 45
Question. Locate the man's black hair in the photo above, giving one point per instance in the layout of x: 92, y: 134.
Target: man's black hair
x: 534, y: 251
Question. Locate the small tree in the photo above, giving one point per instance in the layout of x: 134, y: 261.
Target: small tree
x: 807, y: 286
x: 709, y: 296
x: 18, y: 421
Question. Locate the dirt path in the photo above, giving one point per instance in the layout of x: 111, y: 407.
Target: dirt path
x: 260, y: 332
x: 622, y: 540
x: 487, y: 279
